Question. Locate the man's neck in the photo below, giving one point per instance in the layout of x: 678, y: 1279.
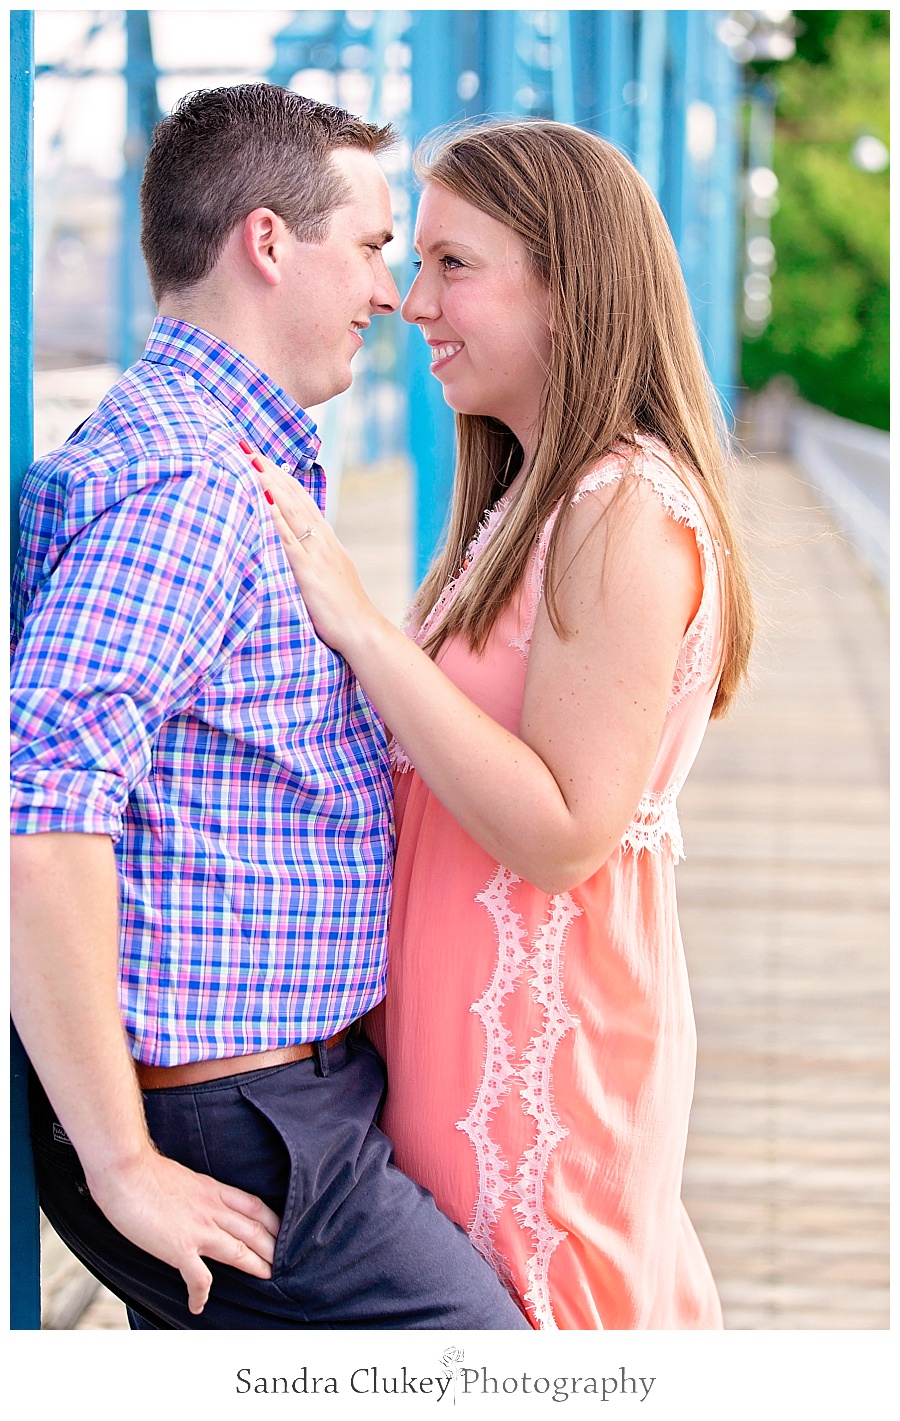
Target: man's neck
x: 204, y: 315
x: 218, y: 319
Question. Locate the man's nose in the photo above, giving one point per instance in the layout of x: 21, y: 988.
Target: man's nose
x: 386, y: 297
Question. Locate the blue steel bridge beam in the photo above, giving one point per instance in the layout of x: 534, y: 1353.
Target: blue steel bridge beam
x: 436, y: 65
x: 136, y: 310
x: 24, y: 1235
x: 563, y: 72
x: 722, y: 214
x: 615, y: 67
x: 588, y: 79
x: 506, y: 75
x: 445, y: 44
x: 699, y: 188
x: 651, y: 81
x: 676, y: 189
x: 686, y: 191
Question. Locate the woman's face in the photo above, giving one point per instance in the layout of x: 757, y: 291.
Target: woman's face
x: 482, y: 311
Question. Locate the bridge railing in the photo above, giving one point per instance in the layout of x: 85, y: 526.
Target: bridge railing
x: 849, y: 466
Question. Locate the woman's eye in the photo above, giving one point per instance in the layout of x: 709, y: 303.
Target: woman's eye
x: 448, y: 263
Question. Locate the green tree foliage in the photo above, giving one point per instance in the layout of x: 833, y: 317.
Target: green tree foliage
x: 829, y: 325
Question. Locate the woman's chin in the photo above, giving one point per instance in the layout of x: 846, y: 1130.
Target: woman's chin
x: 461, y: 405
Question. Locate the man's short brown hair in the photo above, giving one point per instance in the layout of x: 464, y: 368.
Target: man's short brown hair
x: 223, y: 152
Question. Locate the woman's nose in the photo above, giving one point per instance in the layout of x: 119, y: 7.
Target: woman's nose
x: 420, y: 303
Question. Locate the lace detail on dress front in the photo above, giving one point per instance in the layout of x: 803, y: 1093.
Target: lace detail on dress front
x: 400, y: 761
x: 531, y: 1075
x: 531, y: 593
x: 537, y: 1101
x: 656, y: 820
x: 491, y: 518
x: 497, y: 1076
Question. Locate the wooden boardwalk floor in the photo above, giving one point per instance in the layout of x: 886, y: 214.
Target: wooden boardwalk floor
x: 784, y: 911
x: 783, y: 901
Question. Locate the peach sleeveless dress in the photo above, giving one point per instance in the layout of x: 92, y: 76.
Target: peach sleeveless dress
x: 540, y: 1048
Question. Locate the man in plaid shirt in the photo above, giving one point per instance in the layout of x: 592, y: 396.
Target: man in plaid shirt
x: 201, y: 795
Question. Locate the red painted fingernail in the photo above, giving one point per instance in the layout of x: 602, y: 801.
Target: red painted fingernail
x: 269, y: 498
x: 245, y: 446
x: 256, y: 464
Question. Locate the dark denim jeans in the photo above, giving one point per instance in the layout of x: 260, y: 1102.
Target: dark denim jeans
x: 360, y: 1245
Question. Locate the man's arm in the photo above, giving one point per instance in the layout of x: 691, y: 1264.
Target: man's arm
x: 65, y: 1006
x: 131, y: 617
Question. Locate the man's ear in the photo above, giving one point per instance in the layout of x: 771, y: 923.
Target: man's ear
x: 264, y: 235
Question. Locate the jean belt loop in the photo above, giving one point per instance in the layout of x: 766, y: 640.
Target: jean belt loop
x: 321, y: 1051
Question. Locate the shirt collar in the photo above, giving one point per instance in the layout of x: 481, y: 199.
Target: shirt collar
x: 276, y: 424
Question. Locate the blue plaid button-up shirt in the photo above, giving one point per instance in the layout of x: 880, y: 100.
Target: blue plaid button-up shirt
x: 169, y: 691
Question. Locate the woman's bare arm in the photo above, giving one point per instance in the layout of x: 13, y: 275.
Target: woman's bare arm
x: 552, y: 803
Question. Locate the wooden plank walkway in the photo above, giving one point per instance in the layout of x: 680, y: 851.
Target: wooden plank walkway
x: 784, y: 911
x: 784, y: 901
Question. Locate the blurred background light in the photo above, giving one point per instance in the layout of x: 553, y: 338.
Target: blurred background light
x: 763, y: 182
x: 761, y: 252
x: 869, y: 154
x: 701, y: 129
x: 467, y: 85
x: 754, y: 35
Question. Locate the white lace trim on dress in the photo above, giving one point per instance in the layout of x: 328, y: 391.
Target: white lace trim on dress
x: 499, y: 1071
x: 537, y: 1101
x: 533, y: 1077
x: 485, y: 529
x: 656, y: 821
x: 400, y: 761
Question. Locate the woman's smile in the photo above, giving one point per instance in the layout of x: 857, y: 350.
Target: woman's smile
x: 476, y: 292
x: 442, y: 352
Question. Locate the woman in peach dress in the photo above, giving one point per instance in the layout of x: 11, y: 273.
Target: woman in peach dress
x: 587, y: 614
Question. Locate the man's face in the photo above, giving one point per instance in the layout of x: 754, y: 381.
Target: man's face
x: 333, y: 288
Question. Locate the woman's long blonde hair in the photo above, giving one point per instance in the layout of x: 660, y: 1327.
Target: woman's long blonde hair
x: 625, y: 360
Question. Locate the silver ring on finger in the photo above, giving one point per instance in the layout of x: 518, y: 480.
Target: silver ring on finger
x: 310, y: 533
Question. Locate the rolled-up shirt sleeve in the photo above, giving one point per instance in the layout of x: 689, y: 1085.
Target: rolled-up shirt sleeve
x: 141, y: 596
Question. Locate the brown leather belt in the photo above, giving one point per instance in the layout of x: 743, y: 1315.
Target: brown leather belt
x: 196, y: 1072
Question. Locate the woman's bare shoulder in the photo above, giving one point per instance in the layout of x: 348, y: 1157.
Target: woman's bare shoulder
x: 633, y: 521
